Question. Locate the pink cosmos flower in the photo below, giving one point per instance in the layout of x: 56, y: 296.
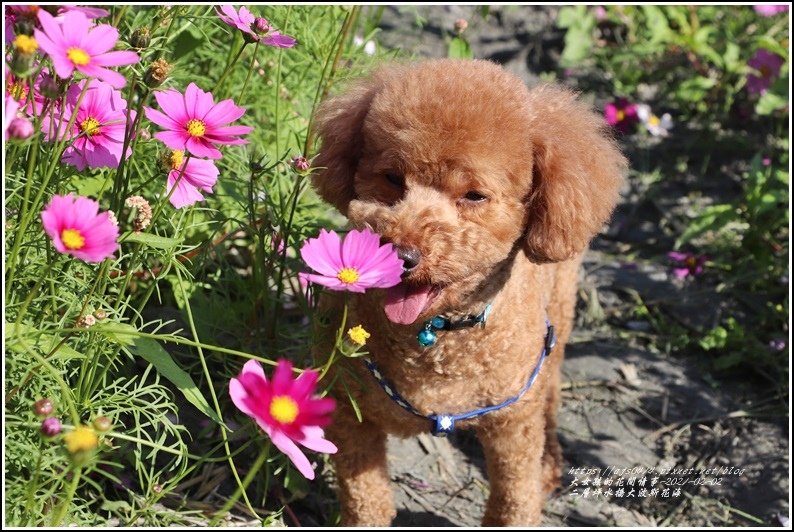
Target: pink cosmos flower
x: 11, y: 108
x: 73, y: 44
x: 621, y: 114
x: 355, y: 264
x: 197, y: 174
x: 770, y: 10
x: 688, y: 264
x: 768, y: 66
x: 254, y: 28
x: 90, y: 12
x: 242, y: 20
x: 98, y: 129
x: 194, y: 122
x: 285, y: 409
x: 77, y: 228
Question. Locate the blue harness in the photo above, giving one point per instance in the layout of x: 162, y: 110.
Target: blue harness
x: 443, y: 424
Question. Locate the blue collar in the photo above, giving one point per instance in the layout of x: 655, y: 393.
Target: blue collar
x: 444, y: 424
x: 427, y: 336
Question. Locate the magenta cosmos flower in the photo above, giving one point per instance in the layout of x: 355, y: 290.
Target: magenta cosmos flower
x: 355, y: 264
x: 687, y: 264
x: 767, y: 64
x: 197, y: 174
x: 770, y: 10
x: 194, y: 122
x: 285, y: 409
x: 621, y: 114
x: 73, y: 45
x: 77, y: 228
x: 254, y: 28
x: 98, y: 130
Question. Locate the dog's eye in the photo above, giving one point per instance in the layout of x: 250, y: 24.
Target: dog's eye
x: 396, y: 179
x: 474, y: 197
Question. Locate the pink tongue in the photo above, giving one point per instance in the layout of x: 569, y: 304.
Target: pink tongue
x: 404, y: 303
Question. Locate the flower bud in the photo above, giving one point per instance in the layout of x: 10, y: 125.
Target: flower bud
x: 24, y: 26
x: 460, y: 25
x: 261, y: 25
x: 49, y: 88
x: 157, y: 73
x: 100, y: 314
x: 85, y: 321
x: 141, y: 38
x: 43, y: 407
x: 20, y: 128
x: 21, y: 64
x: 300, y: 163
x: 102, y: 424
x: 51, y: 427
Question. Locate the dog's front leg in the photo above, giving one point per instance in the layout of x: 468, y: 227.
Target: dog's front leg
x: 365, y: 493
x: 513, y: 452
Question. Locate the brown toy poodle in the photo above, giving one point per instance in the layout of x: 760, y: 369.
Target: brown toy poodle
x: 490, y: 192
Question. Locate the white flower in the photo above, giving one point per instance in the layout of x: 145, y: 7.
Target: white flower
x: 369, y: 47
x: 658, y: 127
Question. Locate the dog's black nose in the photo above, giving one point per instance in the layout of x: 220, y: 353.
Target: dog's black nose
x: 410, y: 257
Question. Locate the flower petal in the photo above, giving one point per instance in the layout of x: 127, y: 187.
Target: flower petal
x: 161, y: 119
x: 314, y: 439
x: 293, y: 452
x: 172, y: 103
x: 117, y: 58
x: 101, y: 39
x: 282, y: 378
x: 173, y: 139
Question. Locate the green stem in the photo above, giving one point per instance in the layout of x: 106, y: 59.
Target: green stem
x: 325, y: 83
x: 207, y: 376
x: 57, y: 518
x: 339, y: 339
x: 248, y: 76
x: 179, y: 341
x: 57, y: 375
x: 257, y: 465
x: 228, y: 68
x: 33, y: 293
x: 34, y: 483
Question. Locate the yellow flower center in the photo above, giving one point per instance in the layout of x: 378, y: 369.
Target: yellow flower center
x: 78, y: 57
x: 196, y: 128
x: 177, y: 156
x: 358, y: 335
x: 17, y: 90
x: 621, y: 115
x: 283, y: 409
x: 653, y: 120
x: 347, y: 275
x: 26, y: 44
x: 72, y: 239
x: 81, y: 439
x: 90, y: 126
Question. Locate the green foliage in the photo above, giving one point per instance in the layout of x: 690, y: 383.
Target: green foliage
x: 186, y: 300
x: 695, y: 61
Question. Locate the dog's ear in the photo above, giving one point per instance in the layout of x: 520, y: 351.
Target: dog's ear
x: 338, y: 123
x: 576, y: 174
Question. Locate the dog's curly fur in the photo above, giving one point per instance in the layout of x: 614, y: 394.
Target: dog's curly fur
x: 411, y: 151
